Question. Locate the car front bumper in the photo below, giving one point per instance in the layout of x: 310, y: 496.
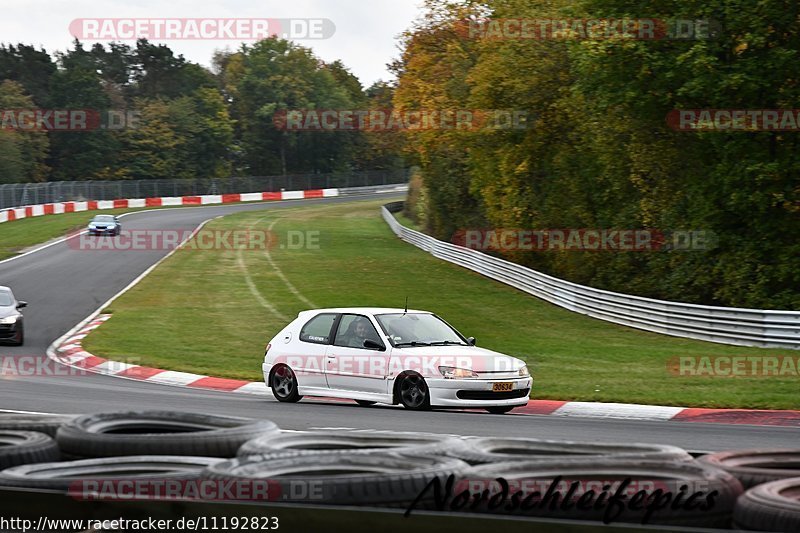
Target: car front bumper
x: 105, y: 231
x: 478, y: 392
x: 10, y: 332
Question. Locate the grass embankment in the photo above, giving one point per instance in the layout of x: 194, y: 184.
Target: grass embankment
x: 198, y: 312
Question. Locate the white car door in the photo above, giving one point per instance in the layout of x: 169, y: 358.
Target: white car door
x: 306, y: 354
x: 350, y: 365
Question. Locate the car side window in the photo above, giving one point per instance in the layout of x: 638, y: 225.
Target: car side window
x: 318, y: 329
x: 353, y: 330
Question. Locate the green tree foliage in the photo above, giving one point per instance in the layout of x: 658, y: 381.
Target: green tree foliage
x: 599, y: 154
x: 190, y: 122
x: 30, y: 67
x: 432, y: 74
x: 22, y: 153
x: 274, y: 76
x: 185, y: 137
x: 78, y: 85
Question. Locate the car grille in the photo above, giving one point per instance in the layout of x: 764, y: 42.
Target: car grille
x: 490, y: 395
x: 498, y: 374
x: 5, y: 331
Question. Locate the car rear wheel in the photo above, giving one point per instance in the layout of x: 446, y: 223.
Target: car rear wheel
x: 413, y: 393
x: 500, y: 410
x: 284, y: 385
x: 365, y: 403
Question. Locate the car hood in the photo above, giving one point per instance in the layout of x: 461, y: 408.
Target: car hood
x: 8, y: 310
x: 469, y: 357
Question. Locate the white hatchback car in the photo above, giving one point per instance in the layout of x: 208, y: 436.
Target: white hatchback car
x: 391, y: 356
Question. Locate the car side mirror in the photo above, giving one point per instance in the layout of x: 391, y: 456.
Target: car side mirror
x: 21, y: 304
x: 471, y: 341
x: 372, y: 345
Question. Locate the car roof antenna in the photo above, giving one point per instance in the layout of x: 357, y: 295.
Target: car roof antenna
x: 406, y: 308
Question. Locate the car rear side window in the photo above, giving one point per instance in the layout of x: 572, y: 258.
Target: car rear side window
x: 318, y: 329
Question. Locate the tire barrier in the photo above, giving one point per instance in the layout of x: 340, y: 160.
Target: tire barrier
x: 379, y: 478
x: 158, y: 433
x: 42, y: 423
x: 773, y: 506
x: 484, y: 450
x: 390, y: 471
x: 675, y: 493
x: 23, y: 447
x: 756, y: 466
x: 293, y: 444
x: 65, y: 475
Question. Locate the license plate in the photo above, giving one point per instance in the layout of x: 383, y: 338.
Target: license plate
x: 502, y: 387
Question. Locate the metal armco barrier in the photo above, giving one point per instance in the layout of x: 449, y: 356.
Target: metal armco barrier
x: 727, y: 325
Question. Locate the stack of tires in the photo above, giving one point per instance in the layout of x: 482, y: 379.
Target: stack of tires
x: 772, y: 480
x: 634, y: 483
x: 64, y: 452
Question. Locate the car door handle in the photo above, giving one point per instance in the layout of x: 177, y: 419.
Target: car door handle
x: 331, y: 357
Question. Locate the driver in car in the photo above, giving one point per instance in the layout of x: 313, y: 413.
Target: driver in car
x: 358, y: 331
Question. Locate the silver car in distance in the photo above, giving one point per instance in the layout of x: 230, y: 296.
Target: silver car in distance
x: 104, y: 225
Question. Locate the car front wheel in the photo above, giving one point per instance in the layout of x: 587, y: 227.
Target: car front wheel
x: 283, y: 383
x: 413, y: 393
x: 20, y: 338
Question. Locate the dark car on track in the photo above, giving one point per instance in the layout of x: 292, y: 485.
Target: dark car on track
x: 104, y: 225
x: 11, y: 327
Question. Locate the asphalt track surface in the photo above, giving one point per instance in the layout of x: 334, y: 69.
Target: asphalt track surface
x: 63, y: 286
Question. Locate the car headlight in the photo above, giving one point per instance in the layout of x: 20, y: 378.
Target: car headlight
x: 523, y: 372
x: 10, y: 319
x: 451, y: 372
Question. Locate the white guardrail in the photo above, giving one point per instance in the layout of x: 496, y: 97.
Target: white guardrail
x: 727, y: 325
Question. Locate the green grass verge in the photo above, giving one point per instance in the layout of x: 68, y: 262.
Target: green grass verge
x: 18, y: 235
x: 197, y: 313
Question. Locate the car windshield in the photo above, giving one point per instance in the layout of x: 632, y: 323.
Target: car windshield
x: 103, y: 218
x: 5, y: 299
x: 418, y: 329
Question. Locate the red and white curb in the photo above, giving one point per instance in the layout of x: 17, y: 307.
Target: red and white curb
x: 17, y: 213
x: 70, y: 352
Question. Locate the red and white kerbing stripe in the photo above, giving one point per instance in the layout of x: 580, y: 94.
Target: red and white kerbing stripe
x: 71, y: 353
x: 18, y: 213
